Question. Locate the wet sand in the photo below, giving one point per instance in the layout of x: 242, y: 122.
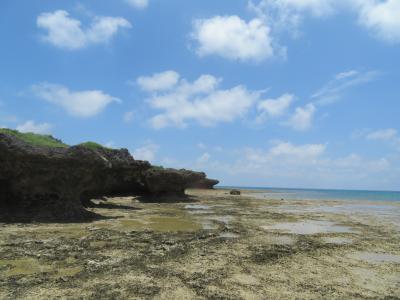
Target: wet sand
x: 210, y: 246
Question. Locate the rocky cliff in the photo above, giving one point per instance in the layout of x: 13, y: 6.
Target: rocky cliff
x: 42, y: 179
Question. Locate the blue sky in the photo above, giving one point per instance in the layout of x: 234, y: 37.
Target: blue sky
x: 288, y: 93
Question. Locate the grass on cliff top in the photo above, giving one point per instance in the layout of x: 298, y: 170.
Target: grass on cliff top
x: 93, y: 146
x: 35, y: 139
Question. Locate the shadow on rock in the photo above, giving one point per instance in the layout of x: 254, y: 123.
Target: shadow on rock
x: 107, y: 205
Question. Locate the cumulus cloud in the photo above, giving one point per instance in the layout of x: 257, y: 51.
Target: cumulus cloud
x: 274, y: 107
x: 382, y: 18
x: 138, y: 3
x: 147, y: 152
x: 67, y: 33
x: 159, y: 81
x: 31, y: 126
x: 233, y: 38
x: 80, y: 104
x: 201, y: 101
x: 302, y: 118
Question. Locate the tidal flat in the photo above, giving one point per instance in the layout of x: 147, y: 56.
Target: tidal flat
x: 210, y: 245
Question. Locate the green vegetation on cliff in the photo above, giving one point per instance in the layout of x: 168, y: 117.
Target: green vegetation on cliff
x: 93, y: 146
x: 42, y: 140
x: 34, y: 139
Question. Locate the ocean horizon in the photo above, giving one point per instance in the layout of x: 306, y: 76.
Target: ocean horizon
x: 321, y: 194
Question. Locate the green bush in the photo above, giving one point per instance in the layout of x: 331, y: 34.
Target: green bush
x: 93, y: 146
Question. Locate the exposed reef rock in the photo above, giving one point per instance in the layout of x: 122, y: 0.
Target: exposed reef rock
x: 42, y: 179
x: 205, y: 183
x: 235, y: 192
x: 160, y: 181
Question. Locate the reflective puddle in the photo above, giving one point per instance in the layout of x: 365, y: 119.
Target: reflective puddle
x: 31, y: 266
x: 222, y: 219
x: 337, y: 240
x: 281, y: 240
x: 197, y: 206
x: 309, y: 227
x: 196, y: 209
x: 373, y: 257
x: 228, y: 235
x: 156, y: 223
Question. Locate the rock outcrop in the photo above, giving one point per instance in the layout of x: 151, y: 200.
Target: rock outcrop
x: 235, y: 192
x: 160, y: 181
x: 205, y: 183
x: 42, y: 179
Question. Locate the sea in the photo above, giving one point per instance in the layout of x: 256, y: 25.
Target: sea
x: 321, y: 194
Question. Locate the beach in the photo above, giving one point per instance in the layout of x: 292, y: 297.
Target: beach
x: 210, y: 245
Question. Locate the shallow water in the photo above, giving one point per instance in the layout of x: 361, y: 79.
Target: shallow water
x: 337, y: 240
x: 385, y: 212
x: 200, y: 212
x: 160, y: 224
x: 222, y: 219
x: 309, y: 227
x: 281, y: 240
x: 229, y: 235
x: 197, y: 206
x: 324, y: 194
x: 373, y: 257
x: 208, y: 225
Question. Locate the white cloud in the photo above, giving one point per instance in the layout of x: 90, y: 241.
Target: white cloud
x: 286, y: 151
x: 302, y: 118
x: 200, y: 101
x: 291, y: 11
x: 147, y: 152
x: 346, y: 74
x: 233, y: 38
x: 288, y: 15
x: 384, y: 134
x: 67, y: 33
x: 301, y: 165
x: 204, y: 158
x: 138, y: 3
x: 31, y: 126
x: 382, y: 18
x: 80, y: 104
x: 274, y: 107
x: 342, y: 82
x: 128, y: 116
x: 159, y: 81
x: 302, y: 151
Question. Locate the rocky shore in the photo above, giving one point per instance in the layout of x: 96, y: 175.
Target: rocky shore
x: 42, y: 179
x: 209, y: 245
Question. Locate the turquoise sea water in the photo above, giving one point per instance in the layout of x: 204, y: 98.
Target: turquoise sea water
x: 320, y: 194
